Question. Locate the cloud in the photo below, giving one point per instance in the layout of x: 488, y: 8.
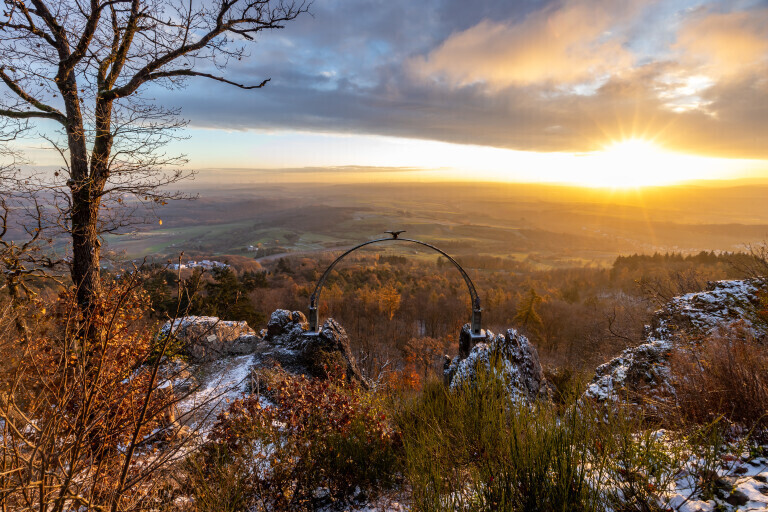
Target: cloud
x: 566, y: 43
x: 548, y: 75
x: 725, y: 45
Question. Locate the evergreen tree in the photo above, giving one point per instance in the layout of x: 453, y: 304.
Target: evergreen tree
x: 227, y: 298
x: 252, y: 280
x: 526, y: 316
x: 283, y: 266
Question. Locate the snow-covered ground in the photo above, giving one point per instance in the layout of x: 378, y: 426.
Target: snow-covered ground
x: 742, y: 487
x: 224, y: 381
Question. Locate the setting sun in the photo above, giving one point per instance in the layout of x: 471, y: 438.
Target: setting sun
x: 635, y: 162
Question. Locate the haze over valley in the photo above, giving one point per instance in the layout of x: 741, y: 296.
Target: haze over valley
x: 547, y: 225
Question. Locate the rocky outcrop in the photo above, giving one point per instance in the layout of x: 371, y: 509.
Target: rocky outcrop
x: 287, y: 342
x: 206, y: 338
x: 642, y: 374
x: 286, y: 328
x: 638, y: 374
x: 225, y: 359
x: 698, y: 314
x: 512, y: 355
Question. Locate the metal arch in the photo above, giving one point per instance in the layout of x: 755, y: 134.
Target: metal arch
x: 314, y: 299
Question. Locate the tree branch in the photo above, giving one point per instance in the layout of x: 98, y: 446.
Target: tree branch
x: 31, y: 27
x: 611, y: 320
x: 59, y: 40
x: 85, y: 39
x: 251, y: 25
x: 118, y: 55
x: 15, y: 114
x: 189, y: 72
x: 12, y: 85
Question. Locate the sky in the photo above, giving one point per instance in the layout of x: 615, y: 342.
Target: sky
x: 598, y: 92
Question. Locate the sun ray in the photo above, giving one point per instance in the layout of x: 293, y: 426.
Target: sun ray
x: 635, y: 162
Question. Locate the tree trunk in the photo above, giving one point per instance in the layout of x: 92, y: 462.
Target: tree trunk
x: 86, y: 198
x: 86, y: 248
x: 18, y: 318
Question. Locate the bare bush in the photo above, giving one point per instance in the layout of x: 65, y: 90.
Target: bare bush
x: 725, y: 375
x: 321, y: 442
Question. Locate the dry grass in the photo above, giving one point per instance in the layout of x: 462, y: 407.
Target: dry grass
x: 725, y: 375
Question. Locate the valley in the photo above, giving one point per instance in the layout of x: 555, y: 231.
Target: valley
x: 546, y: 226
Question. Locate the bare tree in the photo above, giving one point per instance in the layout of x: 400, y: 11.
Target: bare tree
x: 80, y: 66
x: 755, y: 265
x: 660, y: 289
x: 26, y: 260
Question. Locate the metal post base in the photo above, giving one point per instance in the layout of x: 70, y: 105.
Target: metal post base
x: 475, y: 328
x: 314, y: 319
x: 479, y: 337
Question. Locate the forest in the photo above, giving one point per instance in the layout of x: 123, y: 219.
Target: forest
x: 130, y: 421
x: 405, y: 313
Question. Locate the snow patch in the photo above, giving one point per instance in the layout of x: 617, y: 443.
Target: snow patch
x: 227, y: 381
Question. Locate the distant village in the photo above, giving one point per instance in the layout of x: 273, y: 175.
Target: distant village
x: 204, y: 264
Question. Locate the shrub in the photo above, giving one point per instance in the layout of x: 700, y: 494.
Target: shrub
x: 725, y: 375
x: 641, y: 464
x: 83, y: 422
x: 323, y: 441
x: 220, y: 481
x: 472, y: 449
x: 568, y: 383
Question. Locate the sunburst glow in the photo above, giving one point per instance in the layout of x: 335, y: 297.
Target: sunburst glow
x: 634, y: 163
x: 638, y: 162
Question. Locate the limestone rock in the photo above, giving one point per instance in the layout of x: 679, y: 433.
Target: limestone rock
x: 206, y: 338
x: 513, y: 354
x: 285, y: 328
x: 314, y: 355
x: 698, y: 314
x: 641, y: 374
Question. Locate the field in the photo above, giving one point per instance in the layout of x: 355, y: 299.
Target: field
x: 547, y: 226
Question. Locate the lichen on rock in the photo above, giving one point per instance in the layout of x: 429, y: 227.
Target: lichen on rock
x: 511, y: 357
